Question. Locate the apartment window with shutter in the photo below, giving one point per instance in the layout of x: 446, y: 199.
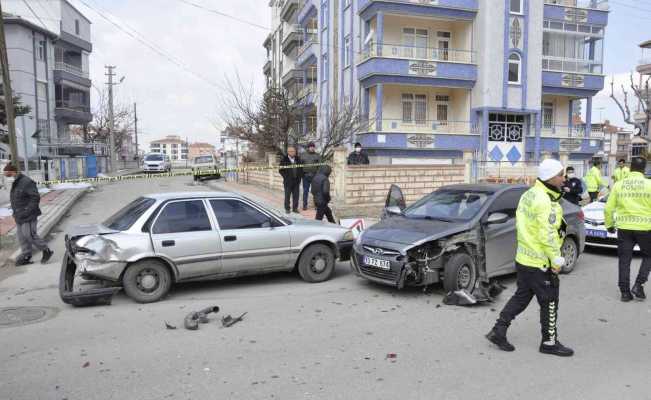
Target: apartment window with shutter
x: 514, y: 68
x: 41, y: 90
x: 414, y: 108
x: 548, y: 115
x: 347, y: 51
x: 407, y: 107
x: 41, y: 50
x: 442, y: 108
x: 77, y: 29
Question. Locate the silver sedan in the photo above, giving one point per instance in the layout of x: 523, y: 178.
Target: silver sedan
x: 161, y: 239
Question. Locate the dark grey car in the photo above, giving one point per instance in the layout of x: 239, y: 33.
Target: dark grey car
x: 458, y: 235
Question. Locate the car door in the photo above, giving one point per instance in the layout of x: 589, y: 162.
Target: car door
x: 183, y: 233
x: 395, y: 198
x: 252, y: 240
x: 501, y: 238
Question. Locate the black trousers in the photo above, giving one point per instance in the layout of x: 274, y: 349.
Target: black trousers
x: 293, y: 190
x: 593, y: 196
x: 626, y: 241
x: 324, y: 209
x: 533, y: 282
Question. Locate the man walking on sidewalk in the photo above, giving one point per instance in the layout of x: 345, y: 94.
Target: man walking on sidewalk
x: 321, y: 192
x: 629, y: 210
x: 292, y: 175
x: 25, y: 201
x: 310, y: 157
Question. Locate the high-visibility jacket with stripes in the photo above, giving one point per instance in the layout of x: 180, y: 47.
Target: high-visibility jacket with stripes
x: 594, y: 180
x: 629, y: 204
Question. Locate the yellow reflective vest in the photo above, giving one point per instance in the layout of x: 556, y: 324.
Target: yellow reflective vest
x: 629, y: 204
x: 538, y: 219
x: 621, y: 173
x: 593, y: 180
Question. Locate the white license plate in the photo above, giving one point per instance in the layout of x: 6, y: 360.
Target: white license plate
x: 596, y: 233
x: 377, y: 263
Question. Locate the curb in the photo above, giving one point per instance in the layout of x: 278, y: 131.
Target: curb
x: 53, y: 219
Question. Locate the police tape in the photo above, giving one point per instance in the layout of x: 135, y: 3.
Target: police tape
x: 193, y: 173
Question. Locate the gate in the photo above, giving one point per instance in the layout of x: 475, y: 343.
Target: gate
x: 91, y: 166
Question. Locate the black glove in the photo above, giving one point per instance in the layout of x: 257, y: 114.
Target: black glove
x: 612, y: 230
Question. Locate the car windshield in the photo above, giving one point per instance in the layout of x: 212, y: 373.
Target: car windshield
x: 127, y: 216
x: 153, y: 157
x: 203, y: 160
x: 448, y: 205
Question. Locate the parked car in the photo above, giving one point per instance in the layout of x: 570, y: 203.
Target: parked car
x: 161, y: 239
x: 155, y: 162
x: 203, y: 167
x: 457, y: 235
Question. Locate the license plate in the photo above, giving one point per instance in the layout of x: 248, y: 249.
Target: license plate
x: 596, y: 233
x: 377, y: 263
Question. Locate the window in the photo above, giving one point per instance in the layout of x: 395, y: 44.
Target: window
x: 505, y: 127
x: 548, y: 115
x: 516, y: 6
x: 324, y: 67
x: 41, y: 50
x: 234, y: 214
x: 41, y: 90
x: 414, y: 108
x: 127, y: 216
x: 77, y: 30
x: 414, y: 42
x: 443, y: 45
x: 182, y: 216
x: 442, y: 109
x: 347, y: 51
x: 514, y: 68
x: 507, y: 203
x: 324, y: 15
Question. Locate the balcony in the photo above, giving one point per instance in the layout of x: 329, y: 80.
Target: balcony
x: 293, y: 39
x: 292, y: 76
x: 577, y: 11
x: 558, y: 64
x: 419, y: 53
x: 306, y: 11
x: 453, y: 9
x: 69, y: 68
x: 644, y: 65
x: 288, y: 10
x: 594, y: 4
x: 421, y: 135
x: 565, y: 131
x: 425, y: 127
x: 71, y: 73
x: 308, y: 52
x: 72, y: 112
x: 266, y: 69
x: 571, y: 84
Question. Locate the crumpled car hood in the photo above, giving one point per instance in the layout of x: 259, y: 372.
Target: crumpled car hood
x: 412, y: 231
x: 90, y: 229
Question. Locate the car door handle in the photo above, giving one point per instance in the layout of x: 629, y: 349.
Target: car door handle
x: 230, y: 238
x: 168, y: 243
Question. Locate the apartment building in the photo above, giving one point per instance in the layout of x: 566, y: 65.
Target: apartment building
x: 197, y: 149
x: 440, y: 80
x: 171, y: 145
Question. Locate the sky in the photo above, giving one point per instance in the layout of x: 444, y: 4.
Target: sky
x: 182, y: 97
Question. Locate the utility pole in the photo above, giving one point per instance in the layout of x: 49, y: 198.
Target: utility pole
x: 135, y: 117
x: 9, y: 101
x: 112, y: 153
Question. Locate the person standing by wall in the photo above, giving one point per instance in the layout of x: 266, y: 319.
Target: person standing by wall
x: 358, y: 156
x: 291, y: 178
x: 310, y: 157
x: 25, y: 201
x: 321, y: 193
x: 629, y: 210
x: 572, y: 189
x: 594, y: 181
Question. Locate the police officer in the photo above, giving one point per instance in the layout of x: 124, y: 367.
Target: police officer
x: 621, y: 171
x: 630, y: 199
x: 572, y: 188
x: 538, y: 260
x: 594, y: 181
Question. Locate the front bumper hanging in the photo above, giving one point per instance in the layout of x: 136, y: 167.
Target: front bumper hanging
x: 81, y: 298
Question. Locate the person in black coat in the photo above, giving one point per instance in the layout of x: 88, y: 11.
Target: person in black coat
x: 321, y: 193
x: 358, y: 157
x: 573, y: 188
x: 291, y: 178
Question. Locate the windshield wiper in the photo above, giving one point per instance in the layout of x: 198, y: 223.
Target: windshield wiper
x: 430, y: 218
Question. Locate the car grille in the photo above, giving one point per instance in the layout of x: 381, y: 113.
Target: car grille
x: 380, y: 251
x: 593, y: 222
x: 379, y: 273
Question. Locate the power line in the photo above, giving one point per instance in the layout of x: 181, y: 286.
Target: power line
x: 199, y: 6
x: 36, y: 15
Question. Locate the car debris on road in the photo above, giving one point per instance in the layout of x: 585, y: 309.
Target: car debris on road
x: 193, y: 319
x: 229, y: 321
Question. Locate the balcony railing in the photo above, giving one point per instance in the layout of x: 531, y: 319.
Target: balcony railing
x: 571, y: 65
x: 310, y: 39
x: 425, y: 126
x: 565, y: 131
x: 70, y: 105
x: 594, y: 4
x: 418, y: 53
x: 72, y: 69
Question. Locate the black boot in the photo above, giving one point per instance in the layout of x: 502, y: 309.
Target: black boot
x: 47, y: 254
x: 497, y: 336
x: 23, y: 260
x: 556, y: 349
x: 627, y: 296
x: 638, y: 291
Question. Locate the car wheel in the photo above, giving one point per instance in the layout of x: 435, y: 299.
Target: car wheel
x: 317, y: 263
x: 459, y: 273
x: 570, y: 251
x: 147, y: 281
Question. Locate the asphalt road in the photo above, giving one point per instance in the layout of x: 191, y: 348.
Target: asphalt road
x: 314, y: 341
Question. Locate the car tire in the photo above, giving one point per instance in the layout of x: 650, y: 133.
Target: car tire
x: 317, y: 263
x: 459, y: 273
x: 570, y: 251
x: 147, y: 281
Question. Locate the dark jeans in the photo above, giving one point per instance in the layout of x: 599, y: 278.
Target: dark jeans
x: 323, y: 209
x: 292, y: 189
x: 626, y: 241
x: 543, y: 285
x: 593, y: 196
x: 307, y: 181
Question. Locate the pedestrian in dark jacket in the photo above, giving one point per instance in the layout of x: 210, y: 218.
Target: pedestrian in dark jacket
x: 321, y: 193
x: 310, y: 157
x: 358, y: 157
x: 573, y: 188
x: 25, y: 201
x: 291, y: 178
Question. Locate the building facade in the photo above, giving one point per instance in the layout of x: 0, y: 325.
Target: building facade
x: 172, y: 146
x: 200, y: 149
x: 440, y: 80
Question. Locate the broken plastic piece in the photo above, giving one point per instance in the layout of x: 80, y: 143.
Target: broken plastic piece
x: 193, y: 319
x: 168, y: 326
x: 229, y: 321
x: 87, y: 297
x: 459, y: 298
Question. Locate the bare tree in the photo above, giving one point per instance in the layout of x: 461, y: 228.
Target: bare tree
x: 642, y: 94
x: 340, y: 126
x: 99, y: 130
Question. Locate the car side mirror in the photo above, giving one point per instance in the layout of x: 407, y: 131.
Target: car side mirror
x: 393, y: 210
x: 497, y: 218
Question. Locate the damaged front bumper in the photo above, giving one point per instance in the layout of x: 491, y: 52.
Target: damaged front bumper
x: 79, y: 298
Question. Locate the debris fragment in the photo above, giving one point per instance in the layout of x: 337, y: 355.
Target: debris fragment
x: 459, y: 298
x: 168, y: 326
x: 603, y: 320
x: 193, y: 319
x: 86, y: 364
x: 229, y: 321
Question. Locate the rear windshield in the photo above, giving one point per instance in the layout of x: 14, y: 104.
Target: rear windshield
x: 127, y: 216
x: 203, y: 160
x: 153, y: 157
